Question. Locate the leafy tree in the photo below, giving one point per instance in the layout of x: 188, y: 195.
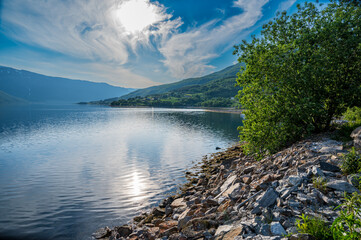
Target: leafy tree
x: 303, y: 71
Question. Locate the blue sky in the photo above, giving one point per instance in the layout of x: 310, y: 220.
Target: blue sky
x: 129, y: 43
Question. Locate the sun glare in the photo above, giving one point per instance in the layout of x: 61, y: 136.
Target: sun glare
x: 137, y: 15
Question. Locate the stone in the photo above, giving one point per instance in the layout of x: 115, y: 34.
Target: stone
x: 268, y: 198
x: 179, y: 202
x: 277, y: 229
x: 228, y: 182
x: 249, y: 169
x: 264, y: 229
x: 234, y: 232
x: 317, y: 172
x: 247, y: 179
x: 294, y: 180
x: 342, y: 186
x: 356, y: 135
x: 184, y: 218
x: 102, y: 233
x: 158, y: 212
x: 354, y: 179
x: 301, y: 236
x: 231, y: 190
x: 223, y: 228
x: 329, y: 167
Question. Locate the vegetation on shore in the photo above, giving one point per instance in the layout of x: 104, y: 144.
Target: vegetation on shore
x: 302, y: 72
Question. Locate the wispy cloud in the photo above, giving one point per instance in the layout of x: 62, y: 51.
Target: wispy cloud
x: 188, y: 54
x: 107, y: 42
x: 87, y: 30
x: 284, y: 6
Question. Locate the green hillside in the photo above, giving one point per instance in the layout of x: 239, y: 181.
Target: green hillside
x: 214, y: 90
x: 225, y: 73
x: 8, y: 99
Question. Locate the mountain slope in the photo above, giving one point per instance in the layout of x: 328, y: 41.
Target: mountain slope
x: 6, y: 99
x: 35, y: 87
x: 218, y: 92
x: 225, y: 73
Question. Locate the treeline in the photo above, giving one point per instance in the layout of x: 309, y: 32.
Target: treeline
x: 219, y: 93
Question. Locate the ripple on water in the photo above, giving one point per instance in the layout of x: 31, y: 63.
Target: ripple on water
x: 66, y: 171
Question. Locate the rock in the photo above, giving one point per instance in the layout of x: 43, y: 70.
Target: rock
x: 232, y: 190
x: 234, y: 232
x: 268, y: 198
x: 249, y: 169
x: 158, y: 212
x: 124, y: 231
x: 317, y: 172
x: 329, y: 167
x: 264, y: 229
x: 222, y: 229
x: 356, y: 135
x: 170, y: 231
x: 179, y: 202
x: 341, y: 185
x: 277, y: 229
x: 102, y: 233
x: 247, y: 179
x: 184, y: 218
x: 354, y: 179
x: 294, y: 180
x: 301, y: 236
x: 228, y: 182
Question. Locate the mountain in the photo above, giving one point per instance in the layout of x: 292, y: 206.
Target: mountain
x: 214, y: 90
x: 229, y: 72
x: 6, y: 99
x: 39, y: 88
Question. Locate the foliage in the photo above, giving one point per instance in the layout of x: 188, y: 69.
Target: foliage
x: 353, y: 115
x: 301, y: 73
x: 320, y: 183
x: 313, y: 226
x: 351, y: 162
x: 217, y: 93
x: 348, y: 224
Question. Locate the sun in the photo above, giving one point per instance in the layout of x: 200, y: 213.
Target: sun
x: 137, y: 15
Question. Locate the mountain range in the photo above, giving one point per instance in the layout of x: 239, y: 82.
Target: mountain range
x: 213, y: 90
x: 20, y: 86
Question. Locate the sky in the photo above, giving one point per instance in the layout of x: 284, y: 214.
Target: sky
x: 129, y: 43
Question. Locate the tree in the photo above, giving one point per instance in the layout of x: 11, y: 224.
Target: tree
x: 303, y: 71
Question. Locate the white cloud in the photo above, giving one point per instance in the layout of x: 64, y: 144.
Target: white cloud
x: 89, y: 30
x: 284, y: 6
x: 187, y: 54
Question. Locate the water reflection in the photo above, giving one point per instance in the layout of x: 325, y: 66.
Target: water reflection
x: 67, y: 170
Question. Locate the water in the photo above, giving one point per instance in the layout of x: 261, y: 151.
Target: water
x: 66, y: 171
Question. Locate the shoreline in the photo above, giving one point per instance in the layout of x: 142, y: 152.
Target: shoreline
x: 229, y: 194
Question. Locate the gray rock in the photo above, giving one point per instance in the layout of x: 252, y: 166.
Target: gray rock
x: 223, y: 228
x: 329, y: 167
x: 264, y: 229
x: 341, y: 185
x: 102, y: 233
x: 356, y: 135
x: 301, y: 236
x: 277, y: 229
x: 268, y: 198
x: 228, y: 182
x: 317, y: 172
x: 294, y: 180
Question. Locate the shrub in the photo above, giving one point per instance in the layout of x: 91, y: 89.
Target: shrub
x: 348, y: 224
x: 351, y: 162
x: 320, y: 183
x: 302, y: 72
x: 316, y: 227
x: 353, y: 115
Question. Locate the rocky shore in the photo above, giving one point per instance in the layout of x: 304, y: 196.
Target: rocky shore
x: 233, y: 196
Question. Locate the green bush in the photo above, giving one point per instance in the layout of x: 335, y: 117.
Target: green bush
x: 351, y: 162
x: 353, y: 115
x: 302, y: 71
x: 348, y: 224
x: 320, y: 183
x: 316, y: 227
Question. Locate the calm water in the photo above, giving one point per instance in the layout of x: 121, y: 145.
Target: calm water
x: 67, y: 170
